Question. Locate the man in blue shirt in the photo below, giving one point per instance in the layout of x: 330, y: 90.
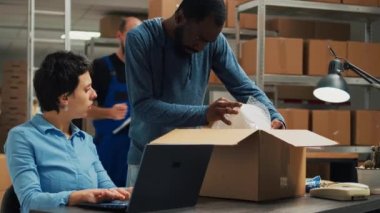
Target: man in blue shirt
x: 168, y: 69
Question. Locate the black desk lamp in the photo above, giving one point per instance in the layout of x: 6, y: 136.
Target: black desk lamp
x: 333, y: 88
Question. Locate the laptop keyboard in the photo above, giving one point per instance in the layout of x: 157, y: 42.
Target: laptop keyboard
x: 116, y: 205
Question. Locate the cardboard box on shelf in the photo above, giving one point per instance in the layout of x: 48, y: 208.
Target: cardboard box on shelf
x: 14, y: 79
x: 366, y: 127
x: 295, y: 118
x: 249, y: 164
x: 109, y: 25
x: 333, y: 124
x: 12, y: 120
x: 4, y: 129
x: 5, y: 180
x: 19, y: 90
x: 14, y: 73
x: 365, y: 56
x: 370, y: 3
x: 282, y: 56
x: 162, y: 8
x: 247, y: 20
x: 318, y: 56
x: 308, y: 29
x: 291, y: 28
x: 15, y: 66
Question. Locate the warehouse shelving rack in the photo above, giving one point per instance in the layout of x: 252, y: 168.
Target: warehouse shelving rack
x: 32, y: 12
x: 94, y: 43
x: 305, y: 10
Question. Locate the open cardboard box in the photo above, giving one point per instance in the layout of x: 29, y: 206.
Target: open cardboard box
x: 250, y: 164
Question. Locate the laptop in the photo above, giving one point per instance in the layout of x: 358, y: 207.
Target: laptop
x: 170, y: 177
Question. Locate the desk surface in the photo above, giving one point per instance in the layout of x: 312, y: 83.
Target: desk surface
x: 302, y: 204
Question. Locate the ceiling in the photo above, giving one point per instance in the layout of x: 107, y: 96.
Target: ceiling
x: 85, y: 15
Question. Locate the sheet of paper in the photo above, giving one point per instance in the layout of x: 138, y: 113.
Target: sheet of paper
x: 124, y: 124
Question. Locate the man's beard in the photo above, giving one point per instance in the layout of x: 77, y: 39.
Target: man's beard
x: 178, y: 40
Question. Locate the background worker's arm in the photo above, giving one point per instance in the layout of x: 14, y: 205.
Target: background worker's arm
x: 116, y: 112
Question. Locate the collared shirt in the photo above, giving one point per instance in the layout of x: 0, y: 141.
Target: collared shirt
x: 167, y: 89
x: 46, y: 167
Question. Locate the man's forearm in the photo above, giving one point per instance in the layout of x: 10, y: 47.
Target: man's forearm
x: 99, y: 113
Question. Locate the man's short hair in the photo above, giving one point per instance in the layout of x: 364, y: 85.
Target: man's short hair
x: 124, y: 21
x: 59, y: 74
x: 122, y: 24
x: 200, y: 9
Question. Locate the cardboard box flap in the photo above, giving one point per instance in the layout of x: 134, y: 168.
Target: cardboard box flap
x: 205, y: 136
x: 301, y: 138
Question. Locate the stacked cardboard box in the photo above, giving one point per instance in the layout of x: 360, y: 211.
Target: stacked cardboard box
x: 5, y: 180
x: 308, y: 29
x: 282, y: 56
x: 14, y: 97
x: 109, y: 25
x: 366, y: 127
x: 295, y: 118
x: 166, y: 8
x: 247, y: 21
x: 318, y: 56
x: 365, y: 56
x: 333, y: 124
x: 162, y: 8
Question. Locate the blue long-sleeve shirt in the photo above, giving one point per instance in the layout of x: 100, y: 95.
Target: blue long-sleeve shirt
x: 45, y: 166
x: 167, y: 89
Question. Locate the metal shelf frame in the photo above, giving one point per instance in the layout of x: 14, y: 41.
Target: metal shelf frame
x: 305, y: 10
x: 89, y: 46
x: 32, y: 12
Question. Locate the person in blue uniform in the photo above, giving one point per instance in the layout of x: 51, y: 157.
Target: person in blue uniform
x: 168, y: 69
x: 112, y: 109
x: 52, y: 163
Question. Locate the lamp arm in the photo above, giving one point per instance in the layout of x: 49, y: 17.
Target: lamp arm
x: 361, y: 73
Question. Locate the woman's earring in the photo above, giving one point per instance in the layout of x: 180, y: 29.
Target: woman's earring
x: 65, y: 108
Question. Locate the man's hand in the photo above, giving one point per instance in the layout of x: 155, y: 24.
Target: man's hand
x: 118, y: 111
x: 277, y: 124
x: 217, y: 110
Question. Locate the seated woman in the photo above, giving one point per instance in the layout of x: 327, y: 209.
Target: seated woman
x: 52, y: 162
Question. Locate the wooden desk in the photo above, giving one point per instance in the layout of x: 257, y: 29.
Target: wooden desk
x: 301, y: 205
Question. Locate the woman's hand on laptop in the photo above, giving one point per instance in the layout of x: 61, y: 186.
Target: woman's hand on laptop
x: 126, y: 192
x: 98, y: 195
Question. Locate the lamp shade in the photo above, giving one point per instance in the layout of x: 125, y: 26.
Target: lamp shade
x: 333, y: 88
